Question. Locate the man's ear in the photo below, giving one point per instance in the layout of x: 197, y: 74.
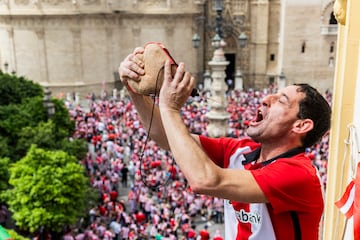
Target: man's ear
x: 303, y: 126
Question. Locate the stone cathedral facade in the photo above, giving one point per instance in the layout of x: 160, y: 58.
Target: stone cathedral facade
x: 77, y: 45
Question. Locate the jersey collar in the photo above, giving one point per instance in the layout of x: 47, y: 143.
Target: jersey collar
x: 254, y: 155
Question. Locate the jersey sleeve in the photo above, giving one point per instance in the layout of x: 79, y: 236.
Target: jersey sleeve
x: 290, y: 185
x: 221, y: 149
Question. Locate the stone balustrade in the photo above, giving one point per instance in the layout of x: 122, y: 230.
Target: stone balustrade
x: 69, y: 7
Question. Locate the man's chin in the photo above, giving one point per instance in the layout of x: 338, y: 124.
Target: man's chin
x: 250, y: 132
x: 253, y: 132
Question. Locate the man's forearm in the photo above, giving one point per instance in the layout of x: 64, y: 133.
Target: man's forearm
x: 192, y: 160
x: 144, y: 107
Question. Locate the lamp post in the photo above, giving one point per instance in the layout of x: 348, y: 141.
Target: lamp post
x: 242, y: 40
x: 6, y: 67
x: 239, y: 82
x: 218, y: 116
x: 50, y: 107
x: 281, y: 80
x: 196, y: 40
x: 207, y: 80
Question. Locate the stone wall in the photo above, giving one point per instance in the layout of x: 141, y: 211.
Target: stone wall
x: 72, y: 45
x: 308, y: 49
x: 77, y: 45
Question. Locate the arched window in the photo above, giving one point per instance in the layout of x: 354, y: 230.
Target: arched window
x: 331, y: 62
x: 303, y: 47
x: 271, y: 80
x: 272, y: 57
x: 332, y: 19
x: 332, y: 47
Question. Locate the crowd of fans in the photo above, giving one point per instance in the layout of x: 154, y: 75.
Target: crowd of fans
x: 159, y: 203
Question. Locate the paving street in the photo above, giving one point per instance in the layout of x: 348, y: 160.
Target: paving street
x: 199, y: 223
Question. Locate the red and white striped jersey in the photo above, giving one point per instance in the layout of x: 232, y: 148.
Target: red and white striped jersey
x: 289, y: 181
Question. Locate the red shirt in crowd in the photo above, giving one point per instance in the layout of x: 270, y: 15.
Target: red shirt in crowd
x: 113, y: 195
x: 204, y: 234
x: 140, y: 217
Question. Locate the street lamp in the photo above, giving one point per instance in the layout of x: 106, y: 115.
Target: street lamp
x: 6, y: 66
x: 239, y: 81
x: 50, y: 107
x: 242, y: 39
x: 216, y: 41
x: 219, y: 7
x: 196, y: 40
x: 207, y: 80
x: 218, y: 116
x: 282, y: 76
x: 281, y: 80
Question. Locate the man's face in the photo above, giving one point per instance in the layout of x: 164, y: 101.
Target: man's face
x: 276, y: 116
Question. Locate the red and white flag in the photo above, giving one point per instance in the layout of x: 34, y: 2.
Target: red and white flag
x: 346, y: 202
x: 349, y: 203
x: 357, y: 204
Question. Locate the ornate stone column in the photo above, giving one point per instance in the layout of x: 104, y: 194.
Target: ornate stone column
x: 78, y: 62
x: 13, y: 62
x: 218, y: 116
x: 43, y: 59
x: 207, y: 80
x: 239, y: 82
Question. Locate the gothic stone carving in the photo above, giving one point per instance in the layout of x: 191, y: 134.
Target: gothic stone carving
x: 22, y: 2
x: 53, y: 2
x: 91, y: 2
x: 340, y: 11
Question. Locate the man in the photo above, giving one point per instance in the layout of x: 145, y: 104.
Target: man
x: 204, y: 233
x: 270, y: 187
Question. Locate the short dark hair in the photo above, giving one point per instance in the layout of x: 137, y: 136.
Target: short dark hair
x: 315, y: 107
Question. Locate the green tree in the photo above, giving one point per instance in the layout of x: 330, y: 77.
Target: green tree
x: 75, y: 147
x: 15, y: 89
x: 20, y: 119
x: 15, y: 236
x: 48, y: 190
x: 47, y: 135
x: 49, y: 176
x: 4, y: 150
x: 4, y: 173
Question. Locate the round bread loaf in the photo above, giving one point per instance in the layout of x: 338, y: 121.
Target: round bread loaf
x: 154, y: 58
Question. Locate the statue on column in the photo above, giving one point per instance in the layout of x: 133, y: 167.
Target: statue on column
x: 340, y: 7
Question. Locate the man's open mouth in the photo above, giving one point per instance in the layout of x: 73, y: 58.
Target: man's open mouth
x: 259, y: 116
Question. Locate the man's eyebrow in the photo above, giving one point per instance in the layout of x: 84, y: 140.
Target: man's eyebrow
x: 286, y: 96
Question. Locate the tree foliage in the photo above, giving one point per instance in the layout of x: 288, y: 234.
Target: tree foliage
x: 15, y: 236
x: 4, y: 173
x: 48, y: 188
x: 47, y: 135
x: 16, y: 89
x: 4, y: 150
x: 23, y: 119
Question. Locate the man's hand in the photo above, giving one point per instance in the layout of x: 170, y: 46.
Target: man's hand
x: 175, y: 91
x: 131, y: 68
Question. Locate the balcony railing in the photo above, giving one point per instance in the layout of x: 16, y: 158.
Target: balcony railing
x: 331, y: 29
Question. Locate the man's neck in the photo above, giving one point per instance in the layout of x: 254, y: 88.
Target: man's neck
x: 267, y: 153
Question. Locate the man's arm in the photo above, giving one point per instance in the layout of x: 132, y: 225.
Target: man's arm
x: 130, y: 70
x: 203, y: 175
x: 170, y: 133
